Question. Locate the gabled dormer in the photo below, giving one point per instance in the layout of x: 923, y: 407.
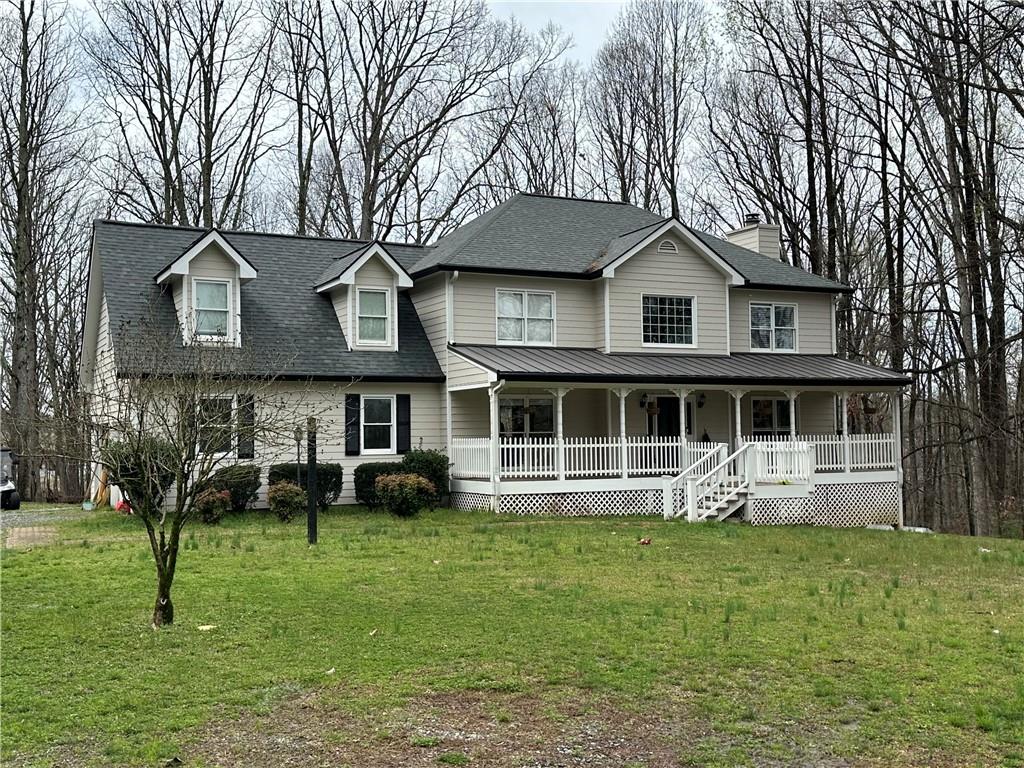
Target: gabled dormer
x: 363, y: 287
x: 206, y: 282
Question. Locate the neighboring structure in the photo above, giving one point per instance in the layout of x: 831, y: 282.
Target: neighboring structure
x: 572, y: 356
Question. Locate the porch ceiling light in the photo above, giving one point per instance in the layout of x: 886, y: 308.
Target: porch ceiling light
x: 701, y: 397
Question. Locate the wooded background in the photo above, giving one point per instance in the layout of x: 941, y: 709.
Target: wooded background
x: 885, y: 139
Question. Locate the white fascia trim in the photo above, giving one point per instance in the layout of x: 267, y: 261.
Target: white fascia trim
x: 246, y: 271
x: 673, y: 225
x: 348, y: 277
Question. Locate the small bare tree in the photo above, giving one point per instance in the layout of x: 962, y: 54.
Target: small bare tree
x: 175, y: 414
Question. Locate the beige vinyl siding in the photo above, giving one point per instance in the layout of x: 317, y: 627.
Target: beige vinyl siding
x: 462, y: 373
x: 579, y: 319
x: 817, y: 413
x: 686, y: 273
x: 814, y: 318
x: 103, y: 372
x: 327, y: 403
x: 339, y: 300
x: 374, y: 274
x: 428, y: 296
x: 471, y: 413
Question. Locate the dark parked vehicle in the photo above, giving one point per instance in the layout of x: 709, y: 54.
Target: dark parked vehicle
x: 9, y: 498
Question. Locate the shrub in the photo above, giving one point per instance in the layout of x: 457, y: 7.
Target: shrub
x: 241, y: 481
x: 329, y: 480
x: 287, y: 500
x: 404, y: 495
x: 431, y: 464
x: 212, y: 504
x: 143, y: 469
x: 364, y: 480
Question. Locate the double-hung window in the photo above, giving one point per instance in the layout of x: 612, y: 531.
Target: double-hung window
x: 373, y: 307
x: 668, y: 321
x: 378, y: 424
x: 211, y: 305
x: 773, y: 327
x: 769, y: 416
x: 526, y: 317
x: 215, y: 424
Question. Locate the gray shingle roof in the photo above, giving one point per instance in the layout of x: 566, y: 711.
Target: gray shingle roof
x: 574, y: 364
x: 569, y: 236
x: 287, y: 328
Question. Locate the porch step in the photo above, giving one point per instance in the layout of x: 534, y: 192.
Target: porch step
x: 722, y: 502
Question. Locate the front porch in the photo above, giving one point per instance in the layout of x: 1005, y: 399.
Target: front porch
x: 681, y: 452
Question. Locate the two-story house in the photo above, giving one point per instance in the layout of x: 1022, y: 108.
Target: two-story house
x: 571, y: 356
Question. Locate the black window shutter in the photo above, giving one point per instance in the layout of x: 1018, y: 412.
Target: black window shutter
x: 246, y: 418
x: 352, y: 414
x: 403, y: 424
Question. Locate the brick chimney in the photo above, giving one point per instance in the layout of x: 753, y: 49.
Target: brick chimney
x: 763, y: 238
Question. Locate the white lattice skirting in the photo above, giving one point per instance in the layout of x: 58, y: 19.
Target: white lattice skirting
x: 467, y: 501
x: 852, y: 505
x: 583, y: 503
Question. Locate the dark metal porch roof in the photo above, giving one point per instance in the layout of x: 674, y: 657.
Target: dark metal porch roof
x: 565, y: 364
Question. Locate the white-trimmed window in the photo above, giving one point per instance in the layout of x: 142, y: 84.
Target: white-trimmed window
x: 211, y: 308
x: 215, y: 424
x: 526, y: 317
x: 377, y: 433
x: 668, y: 321
x: 769, y: 416
x: 773, y: 327
x: 373, y: 310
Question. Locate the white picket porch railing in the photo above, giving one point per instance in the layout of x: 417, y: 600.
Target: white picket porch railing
x: 782, y: 461
x: 582, y: 457
x: 866, y: 452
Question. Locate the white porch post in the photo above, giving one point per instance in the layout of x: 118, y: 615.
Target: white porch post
x: 495, y: 435
x: 896, y: 399
x: 844, y: 425
x: 792, y: 395
x: 684, y: 456
x: 623, y: 453
x: 559, y: 394
x: 737, y: 396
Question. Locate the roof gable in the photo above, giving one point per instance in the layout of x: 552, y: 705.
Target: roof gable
x: 343, y: 272
x: 246, y: 271
x: 650, y: 234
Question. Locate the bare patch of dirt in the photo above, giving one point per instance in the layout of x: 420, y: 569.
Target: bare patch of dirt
x: 31, y: 536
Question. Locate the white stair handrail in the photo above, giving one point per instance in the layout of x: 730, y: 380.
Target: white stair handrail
x: 697, y: 487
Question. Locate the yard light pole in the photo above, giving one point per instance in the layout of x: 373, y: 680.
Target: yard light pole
x: 298, y: 456
x: 311, y: 479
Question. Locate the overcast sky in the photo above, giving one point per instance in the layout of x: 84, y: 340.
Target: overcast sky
x: 586, y: 20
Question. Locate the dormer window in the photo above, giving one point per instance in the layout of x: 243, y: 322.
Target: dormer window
x: 211, y: 309
x: 374, y: 319
x: 667, y: 246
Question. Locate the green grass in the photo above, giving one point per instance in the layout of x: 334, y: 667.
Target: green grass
x: 891, y: 642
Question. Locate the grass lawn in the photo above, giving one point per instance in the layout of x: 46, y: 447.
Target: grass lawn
x: 471, y: 639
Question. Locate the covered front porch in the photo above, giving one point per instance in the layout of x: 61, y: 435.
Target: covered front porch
x: 536, y: 440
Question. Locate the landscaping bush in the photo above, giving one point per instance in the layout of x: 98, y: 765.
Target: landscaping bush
x: 329, y: 480
x: 404, y: 495
x: 140, y: 467
x: 364, y: 480
x: 212, y: 504
x: 432, y: 465
x: 287, y: 500
x: 241, y: 481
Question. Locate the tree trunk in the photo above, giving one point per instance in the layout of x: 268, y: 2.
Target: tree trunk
x: 163, y: 611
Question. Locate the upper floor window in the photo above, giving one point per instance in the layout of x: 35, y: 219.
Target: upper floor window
x: 667, y: 246
x: 526, y: 317
x: 668, y: 321
x: 773, y: 327
x: 374, y: 321
x: 211, y: 305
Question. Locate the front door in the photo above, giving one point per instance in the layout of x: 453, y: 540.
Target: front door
x: 666, y: 422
